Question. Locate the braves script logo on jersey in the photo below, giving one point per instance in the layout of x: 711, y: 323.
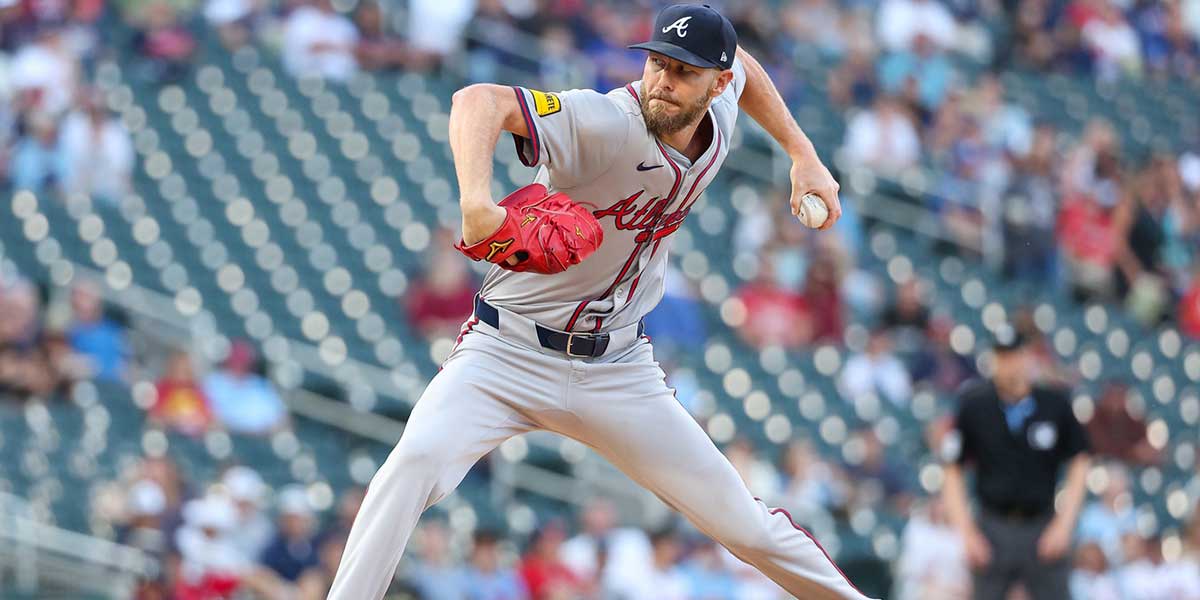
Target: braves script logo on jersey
x: 679, y: 26
x: 650, y: 219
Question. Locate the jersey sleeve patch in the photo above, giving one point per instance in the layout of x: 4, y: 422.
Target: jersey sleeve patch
x: 545, y: 103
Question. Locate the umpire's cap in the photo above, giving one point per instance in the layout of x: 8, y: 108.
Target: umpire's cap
x: 695, y: 34
x: 1007, y: 338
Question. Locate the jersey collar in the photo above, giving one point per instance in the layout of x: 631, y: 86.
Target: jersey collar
x: 672, y: 154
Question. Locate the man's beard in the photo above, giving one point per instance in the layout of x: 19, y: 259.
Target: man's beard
x: 660, y: 124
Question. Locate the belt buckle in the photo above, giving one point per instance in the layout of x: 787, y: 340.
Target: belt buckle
x: 571, y: 342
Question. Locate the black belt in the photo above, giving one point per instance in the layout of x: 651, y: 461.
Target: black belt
x: 578, y: 345
x: 1016, y: 512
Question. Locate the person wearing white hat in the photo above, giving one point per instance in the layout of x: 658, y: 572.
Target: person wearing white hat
x: 145, y: 505
x: 253, y: 529
x: 293, y: 550
x: 210, y: 564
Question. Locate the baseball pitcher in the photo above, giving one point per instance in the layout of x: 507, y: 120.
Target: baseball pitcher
x: 555, y: 342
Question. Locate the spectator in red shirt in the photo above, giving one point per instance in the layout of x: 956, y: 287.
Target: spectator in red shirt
x: 181, y: 404
x: 210, y: 566
x: 822, y: 295
x: 165, y: 44
x: 1189, y: 308
x: 1089, y: 242
x: 1117, y: 433
x: 545, y: 575
x: 774, y: 315
x: 438, y: 303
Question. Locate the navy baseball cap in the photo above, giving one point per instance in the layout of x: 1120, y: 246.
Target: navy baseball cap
x: 695, y: 34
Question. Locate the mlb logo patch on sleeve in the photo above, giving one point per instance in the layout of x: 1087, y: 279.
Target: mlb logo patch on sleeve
x: 545, y: 103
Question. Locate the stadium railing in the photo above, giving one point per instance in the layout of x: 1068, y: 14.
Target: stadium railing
x: 44, y: 557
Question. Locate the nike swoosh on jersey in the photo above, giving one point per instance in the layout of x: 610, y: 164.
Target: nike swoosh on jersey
x: 642, y: 166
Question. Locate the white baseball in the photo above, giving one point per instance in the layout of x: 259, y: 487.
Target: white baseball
x: 812, y: 211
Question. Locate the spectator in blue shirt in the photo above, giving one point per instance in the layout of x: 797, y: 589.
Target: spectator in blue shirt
x: 434, y: 571
x: 1107, y: 519
x: 924, y: 64
x: 96, y: 337
x: 293, y: 550
x: 35, y: 160
x: 677, y: 323
x: 485, y: 577
x: 244, y: 401
x: 707, y: 577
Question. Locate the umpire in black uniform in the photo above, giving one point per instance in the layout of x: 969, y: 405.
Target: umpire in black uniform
x: 1016, y: 436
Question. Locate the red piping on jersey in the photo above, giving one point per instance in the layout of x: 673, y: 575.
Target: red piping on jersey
x: 465, y: 330
x: 784, y: 512
x: 462, y: 333
x: 637, y: 248
x: 633, y: 286
x: 533, y: 133
x: 685, y: 207
x: 629, y: 88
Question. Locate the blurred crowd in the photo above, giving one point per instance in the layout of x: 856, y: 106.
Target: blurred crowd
x: 233, y: 537
x: 1077, y: 214
x: 56, y: 135
x: 45, y: 346
x: 43, y: 350
x: 593, y: 558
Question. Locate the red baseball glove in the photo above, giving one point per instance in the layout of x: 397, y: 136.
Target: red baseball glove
x: 547, y: 233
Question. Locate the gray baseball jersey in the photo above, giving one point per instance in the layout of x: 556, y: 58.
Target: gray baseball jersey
x: 595, y: 148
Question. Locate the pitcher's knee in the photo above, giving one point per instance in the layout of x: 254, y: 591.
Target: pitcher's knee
x: 415, y: 460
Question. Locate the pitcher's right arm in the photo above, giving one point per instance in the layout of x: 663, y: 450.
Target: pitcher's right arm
x: 478, y: 114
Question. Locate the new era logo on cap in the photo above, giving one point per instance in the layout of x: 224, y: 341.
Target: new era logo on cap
x: 695, y: 34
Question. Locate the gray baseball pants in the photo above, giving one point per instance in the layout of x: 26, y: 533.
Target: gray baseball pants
x: 1015, y: 558
x: 493, y: 386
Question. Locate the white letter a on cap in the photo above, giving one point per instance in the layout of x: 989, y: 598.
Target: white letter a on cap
x: 679, y: 26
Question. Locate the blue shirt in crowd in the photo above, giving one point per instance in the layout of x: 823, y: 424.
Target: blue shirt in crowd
x: 289, y: 558
x: 103, y: 343
x: 247, y: 404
